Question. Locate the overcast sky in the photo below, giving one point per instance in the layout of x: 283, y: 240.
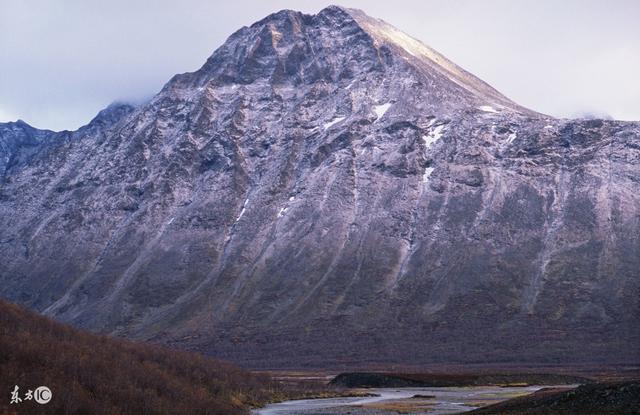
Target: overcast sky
x: 63, y: 61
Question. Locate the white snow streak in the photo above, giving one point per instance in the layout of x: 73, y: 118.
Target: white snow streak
x: 487, y: 108
x: 511, y: 137
x: 380, y: 110
x: 409, y: 51
x: 333, y: 121
x: 427, y: 173
x: 244, y: 207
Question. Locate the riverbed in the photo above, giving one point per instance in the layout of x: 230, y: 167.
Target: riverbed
x: 431, y: 401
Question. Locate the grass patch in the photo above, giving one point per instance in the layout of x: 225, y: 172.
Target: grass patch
x: 400, y: 407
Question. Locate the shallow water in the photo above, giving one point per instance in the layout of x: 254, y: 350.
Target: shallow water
x: 446, y: 401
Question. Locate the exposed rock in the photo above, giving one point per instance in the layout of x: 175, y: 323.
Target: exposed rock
x: 327, y: 190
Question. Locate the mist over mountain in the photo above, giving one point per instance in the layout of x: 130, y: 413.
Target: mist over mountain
x: 326, y: 190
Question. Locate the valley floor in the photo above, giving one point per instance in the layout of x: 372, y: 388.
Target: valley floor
x: 597, y: 391
x: 432, y: 401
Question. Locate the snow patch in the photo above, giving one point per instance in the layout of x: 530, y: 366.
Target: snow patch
x: 487, y: 108
x: 433, y: 136
x: 170, y: 221
x: 284, y: 209
x: 244, y: 207
x: 333, y: 121
x: 380, y: 110
x: 511, y: 137
x: 427, y: 173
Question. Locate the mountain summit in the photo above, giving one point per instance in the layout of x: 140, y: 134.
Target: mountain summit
x: 327, y: 190
x: 340, y: 45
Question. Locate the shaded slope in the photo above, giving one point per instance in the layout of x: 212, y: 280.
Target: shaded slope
x: 91, y: 374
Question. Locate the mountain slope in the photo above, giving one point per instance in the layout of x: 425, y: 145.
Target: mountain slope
x: 99, y: 375
x: 327, y: 190
x: 597, y: 399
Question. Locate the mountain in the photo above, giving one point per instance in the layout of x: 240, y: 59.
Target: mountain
x: 89, y: 374
x: 329, y: 191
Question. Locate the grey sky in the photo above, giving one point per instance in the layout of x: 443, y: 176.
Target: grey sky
x: 63, y: 61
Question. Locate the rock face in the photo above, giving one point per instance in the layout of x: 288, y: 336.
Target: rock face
x: 327, y: 190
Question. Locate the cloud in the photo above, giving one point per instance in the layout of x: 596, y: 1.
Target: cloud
x: 6, y: 116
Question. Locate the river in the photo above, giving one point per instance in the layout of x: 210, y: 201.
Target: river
x: 434, y: 401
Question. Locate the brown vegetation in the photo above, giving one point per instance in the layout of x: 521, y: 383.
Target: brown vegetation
x: 381, y: 379
x: 400, y: 407
x: 90, y: 374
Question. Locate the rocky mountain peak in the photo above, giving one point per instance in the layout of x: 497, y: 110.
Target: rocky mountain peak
x: 328, y: 177
x: 339, y: 46
x: 111, y: 114
x: 18, y: 135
